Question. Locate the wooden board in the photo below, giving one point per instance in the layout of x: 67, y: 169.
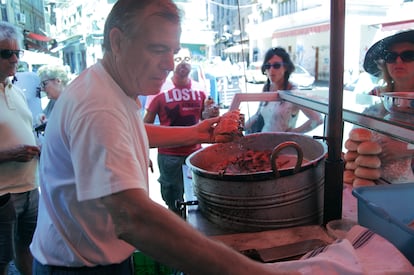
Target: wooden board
x: 271, y: 238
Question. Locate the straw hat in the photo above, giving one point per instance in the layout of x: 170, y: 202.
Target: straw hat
x: 377, y: 51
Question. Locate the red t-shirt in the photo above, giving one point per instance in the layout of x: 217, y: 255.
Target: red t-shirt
x: 179, y: 106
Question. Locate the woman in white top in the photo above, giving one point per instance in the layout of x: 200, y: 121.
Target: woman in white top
x: 54, y: 79
x: 281, y: 116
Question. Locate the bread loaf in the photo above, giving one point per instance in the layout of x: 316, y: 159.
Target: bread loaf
x: 351, y: 145
x: 369, y: 148
x: 350, y: 165
x: 360, y: 134
x: 362, y: 182
x: 349, y: 176
x: 369, y: 161
x: 228, y: 126
x: 367, y: 173
x: 350, y: 155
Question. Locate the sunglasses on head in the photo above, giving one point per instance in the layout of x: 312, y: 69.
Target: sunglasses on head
x: 276, y: 65
x: 406, y: 56
x: 6, y: 54
x: 181, y: 59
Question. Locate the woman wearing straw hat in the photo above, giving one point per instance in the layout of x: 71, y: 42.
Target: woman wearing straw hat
x: 392, y: 59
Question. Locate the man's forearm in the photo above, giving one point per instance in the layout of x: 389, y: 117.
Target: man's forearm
x: 162, y: 136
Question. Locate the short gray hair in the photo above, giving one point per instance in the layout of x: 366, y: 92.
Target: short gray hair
x: 124, y: 13
x: 52, y: 72
x: 10, y: 32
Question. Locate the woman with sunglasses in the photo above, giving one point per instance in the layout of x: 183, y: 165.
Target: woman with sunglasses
x: 392, y: 60
x: 281, y: 116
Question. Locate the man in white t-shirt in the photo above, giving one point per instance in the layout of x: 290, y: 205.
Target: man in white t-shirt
x: 94, y: 207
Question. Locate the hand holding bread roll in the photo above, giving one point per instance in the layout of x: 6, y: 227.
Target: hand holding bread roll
x: 228, y: 127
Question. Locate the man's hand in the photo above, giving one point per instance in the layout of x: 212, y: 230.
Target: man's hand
x: 205, y: 129
x: 21, y: 153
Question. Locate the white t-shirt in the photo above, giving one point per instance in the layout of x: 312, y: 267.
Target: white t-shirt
x: 16, y: 129
x: 279, y: 116
x: 95, y: 145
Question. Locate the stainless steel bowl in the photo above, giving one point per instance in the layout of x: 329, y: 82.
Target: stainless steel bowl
x: 399, y: 102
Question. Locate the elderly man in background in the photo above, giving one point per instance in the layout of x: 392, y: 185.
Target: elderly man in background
x: 94, y: 205
x: 18, y: 161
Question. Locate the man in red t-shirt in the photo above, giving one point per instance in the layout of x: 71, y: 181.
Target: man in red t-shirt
x: 181, y: 105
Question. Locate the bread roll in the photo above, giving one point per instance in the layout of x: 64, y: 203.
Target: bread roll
x: 228, y: 127
x: 369, y: 161
x: 362, y: 182
x: 350, y: 155
x: 360, y: 134
x: 369, y: 148
x: 349, y: 176
x: 351, y: 145
x: 351, y: 165
x: 367, y: 173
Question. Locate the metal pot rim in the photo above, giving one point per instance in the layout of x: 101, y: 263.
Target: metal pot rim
x: 259, y: 175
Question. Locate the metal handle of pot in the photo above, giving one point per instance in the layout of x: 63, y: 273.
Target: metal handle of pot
x: 279, y: 148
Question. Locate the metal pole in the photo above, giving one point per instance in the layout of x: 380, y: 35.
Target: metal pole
x: 334, y: 165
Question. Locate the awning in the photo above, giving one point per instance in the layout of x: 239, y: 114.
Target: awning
x: 29, y: 45
x: 38, y: 37
x: 399, y: 25
x: 237, y: 49
x: 302, y: 31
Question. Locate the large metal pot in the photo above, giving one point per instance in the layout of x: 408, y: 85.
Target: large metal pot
x: 265, y: 199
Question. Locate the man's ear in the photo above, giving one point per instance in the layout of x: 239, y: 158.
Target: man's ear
x: 115, y: 38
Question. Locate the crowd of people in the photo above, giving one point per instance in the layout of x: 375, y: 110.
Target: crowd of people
x: 94, y: 207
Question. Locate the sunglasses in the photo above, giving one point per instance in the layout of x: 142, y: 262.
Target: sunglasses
x: 181, y: 59
x: 6, y: 54
x: 44, y: 83
x: 406, y: 56
x: 276, y: 65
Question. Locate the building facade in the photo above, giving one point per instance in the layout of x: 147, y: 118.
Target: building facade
x: 238, y: 30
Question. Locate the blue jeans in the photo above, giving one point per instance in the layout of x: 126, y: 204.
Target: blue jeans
x: 18, y: 217
x: 171, y: 179
x: 124, y: 268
